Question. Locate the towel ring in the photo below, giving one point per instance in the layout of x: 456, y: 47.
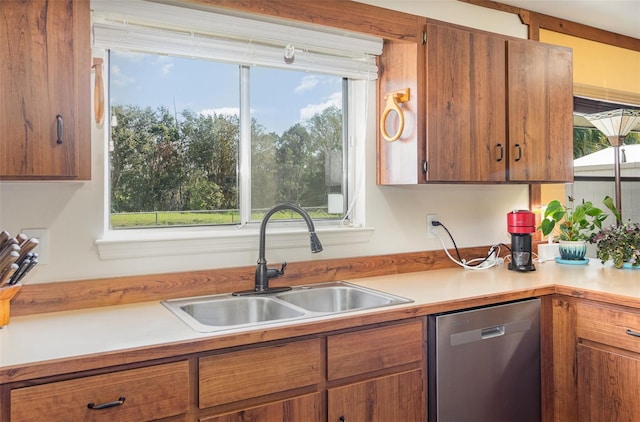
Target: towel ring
x: 393, y: 99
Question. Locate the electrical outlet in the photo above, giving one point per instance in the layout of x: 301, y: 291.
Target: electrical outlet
x: 431, y: 229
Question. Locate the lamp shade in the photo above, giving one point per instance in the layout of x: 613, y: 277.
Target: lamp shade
x: 615, y: 123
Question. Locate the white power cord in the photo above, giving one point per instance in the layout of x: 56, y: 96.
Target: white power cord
x: 486, y: 262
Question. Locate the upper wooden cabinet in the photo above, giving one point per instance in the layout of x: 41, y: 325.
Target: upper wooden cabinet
x: 485, y: 108
x: 45, y: 75
x: 466, y: 106
x: 540, y: 98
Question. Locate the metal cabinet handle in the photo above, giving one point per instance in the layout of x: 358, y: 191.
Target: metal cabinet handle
x: 517, y: 146
x: 59, y: 127
x: 341, y: 419
x: 501, y: 150
x: 108, y: 405
x: 633, y: 333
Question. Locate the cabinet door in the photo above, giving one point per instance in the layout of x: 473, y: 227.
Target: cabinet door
x: 304, y: 408
x: 466, y: 106
x: 392, y: 398
x: 44, y: 80
x: 608, y: 384
x: 540, y: 91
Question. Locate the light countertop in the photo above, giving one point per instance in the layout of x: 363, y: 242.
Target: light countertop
x: 45, y: 339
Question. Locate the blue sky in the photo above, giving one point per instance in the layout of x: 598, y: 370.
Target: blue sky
x: 279, y: 98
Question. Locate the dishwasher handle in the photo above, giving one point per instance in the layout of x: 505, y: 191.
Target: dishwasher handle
x: 491, y: 332
x: 472, y: 336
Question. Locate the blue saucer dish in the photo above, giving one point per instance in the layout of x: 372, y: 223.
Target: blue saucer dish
x: 572, y: 261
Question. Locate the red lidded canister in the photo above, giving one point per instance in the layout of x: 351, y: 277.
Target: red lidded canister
x: 521, y: 221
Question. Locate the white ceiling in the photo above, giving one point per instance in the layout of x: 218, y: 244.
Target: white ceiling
x: 619, y: 16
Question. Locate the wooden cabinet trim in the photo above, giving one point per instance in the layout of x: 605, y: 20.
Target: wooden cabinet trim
x: 341, y: 14
x: 68, y: 295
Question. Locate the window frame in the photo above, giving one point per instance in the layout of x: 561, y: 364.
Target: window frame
x: 153, y: 242
x: 190, y: 240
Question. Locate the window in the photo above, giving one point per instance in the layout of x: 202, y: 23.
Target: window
x: 218, y: 133
x: 176, y: 141
x: 593, y: 160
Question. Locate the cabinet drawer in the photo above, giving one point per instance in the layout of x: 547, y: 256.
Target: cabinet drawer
x: 244, y: 374
x: 147, y: 393
x: 608, y: 325
x: 307, y: 408
x: 374, y: 349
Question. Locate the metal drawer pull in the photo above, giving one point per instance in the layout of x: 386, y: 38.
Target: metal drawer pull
x: 633, y: 333
x: 519, y: 152
x: 118, y: 402
x: 501, y: 149
x: 59, y: 125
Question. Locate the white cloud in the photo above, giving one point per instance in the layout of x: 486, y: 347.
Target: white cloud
x: 307, y: 84
x: 310, y: 110
x: 119, y: 78
x: 166, y: 69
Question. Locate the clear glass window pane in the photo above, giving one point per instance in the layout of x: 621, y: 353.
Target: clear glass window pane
x: 174, y: 141
x: 296, y: 142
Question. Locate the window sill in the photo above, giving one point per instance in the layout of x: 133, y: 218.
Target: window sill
x: 144, y: 244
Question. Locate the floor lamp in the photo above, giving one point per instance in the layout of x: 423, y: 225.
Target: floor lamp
x: 616, y: 124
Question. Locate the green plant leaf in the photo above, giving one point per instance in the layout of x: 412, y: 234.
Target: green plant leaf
x: 547, y: 226
x: 608, y: 202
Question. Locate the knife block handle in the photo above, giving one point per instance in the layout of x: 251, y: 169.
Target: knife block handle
x: 6, y: 294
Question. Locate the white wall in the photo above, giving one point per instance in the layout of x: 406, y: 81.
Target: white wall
x: 73, y: 212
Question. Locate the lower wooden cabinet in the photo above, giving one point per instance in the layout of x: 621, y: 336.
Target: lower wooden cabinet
x: 608, y: 362
x: 596, y: 361
x: 608, y: 385
x: 307, y: 408
x: 397, y: 397
x: 373, y: 373
x: 134, y: 395
x: 354, y: 359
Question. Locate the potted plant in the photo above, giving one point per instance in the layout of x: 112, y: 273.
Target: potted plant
x: 619, y: 242
x: 573, y: 225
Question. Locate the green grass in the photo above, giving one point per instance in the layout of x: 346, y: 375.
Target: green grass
x: 191, y: 218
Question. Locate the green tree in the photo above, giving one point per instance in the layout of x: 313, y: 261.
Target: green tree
x: 264, y: 171
x: 160, y: 163
x: 211, y: 149
x: 131, y: 147
x: 292, y: 152
x: 166, y: 166
x: 325, y: 134
x: 587, y: 141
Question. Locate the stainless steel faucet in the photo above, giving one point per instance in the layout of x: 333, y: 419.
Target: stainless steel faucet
x: 263, y: 274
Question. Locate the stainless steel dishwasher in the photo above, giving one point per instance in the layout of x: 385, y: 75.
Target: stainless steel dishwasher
x: 484, y: 364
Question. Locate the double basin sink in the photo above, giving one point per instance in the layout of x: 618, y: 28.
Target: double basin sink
x: 228, y: 312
